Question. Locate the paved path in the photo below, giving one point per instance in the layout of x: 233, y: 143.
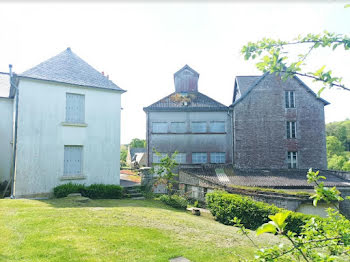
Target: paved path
x: 125, y: 182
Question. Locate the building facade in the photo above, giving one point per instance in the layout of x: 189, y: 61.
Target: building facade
x: 271, y: 124
x: 194, y: 125
x: 68, y: 126
x: 277, y: 124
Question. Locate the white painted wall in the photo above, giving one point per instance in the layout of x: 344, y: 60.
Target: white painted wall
x: 41, y: 137
x: 6, y: 116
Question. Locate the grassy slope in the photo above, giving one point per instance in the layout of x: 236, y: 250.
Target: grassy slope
x: 114, y: 230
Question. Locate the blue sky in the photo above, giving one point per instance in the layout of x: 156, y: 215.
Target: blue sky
x: 141, y: 45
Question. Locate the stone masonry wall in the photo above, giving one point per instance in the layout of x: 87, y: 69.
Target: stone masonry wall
x: 259, y: 127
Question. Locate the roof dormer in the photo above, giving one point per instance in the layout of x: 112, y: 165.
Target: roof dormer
x: 186, y: 80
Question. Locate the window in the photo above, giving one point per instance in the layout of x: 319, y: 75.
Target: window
x: 157, y: 158
x: 217, y: 158
x: 75, y: 108
x: 292, y: 160
x: 177, y: 127
x: 217, y: 127
x: 73, y: 160
x: 160, y: 127
x: 198, y: 127
x: 199, y: 158
x: 290, y: 99
x: 291, y: 129
x: 180, y: 158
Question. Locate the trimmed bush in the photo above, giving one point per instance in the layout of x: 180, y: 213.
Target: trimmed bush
x: 98, y: 191
x: 174, y: 201
x: 94, y: 191
x: 224, y: 207
x: 66, y: 189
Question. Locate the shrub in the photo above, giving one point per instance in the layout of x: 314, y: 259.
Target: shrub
x: 66, y: 189
x: 174, y: 201
x: 93, y: 191
x: 103, y: 191
x: 225, y: 207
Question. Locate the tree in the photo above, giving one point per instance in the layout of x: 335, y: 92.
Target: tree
x: 334, y: 146
x: 164, y: 171
x: 341, y: 130
x: 275, y: 56
x: 123, y: 155
x: 138, y: 143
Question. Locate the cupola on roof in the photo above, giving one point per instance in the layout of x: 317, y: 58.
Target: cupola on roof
x: 186, y: 80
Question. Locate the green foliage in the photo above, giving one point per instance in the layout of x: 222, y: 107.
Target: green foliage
x: 94, y: 191
x: 164, y: 171
x: 274, y: 56
x: 138, y: 143
x: 341, y: 130
x: 336, y: 162
x: 334, y: 146
x: 101, y: 191
x: 319, y: 240
x: 66, y: 189
x: 174, y: 201
x: 123, y: 155
x: 225, y: 207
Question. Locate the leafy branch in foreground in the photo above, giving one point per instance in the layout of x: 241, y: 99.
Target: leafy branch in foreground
x: 164, y: 171
x: 275, y: 59
x: 320, y: 240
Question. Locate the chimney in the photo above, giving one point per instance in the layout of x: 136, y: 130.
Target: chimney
x: 186, y: 80
x: 103, y: 73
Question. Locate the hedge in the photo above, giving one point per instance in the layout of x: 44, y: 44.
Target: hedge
x: 224, y: 207
x: 174, y: 201
x: 93, y: 191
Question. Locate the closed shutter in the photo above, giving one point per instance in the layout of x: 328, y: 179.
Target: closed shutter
x: 75, y: 108
x: 73, y: 160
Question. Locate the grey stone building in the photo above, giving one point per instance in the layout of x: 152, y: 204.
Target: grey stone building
x: 271, y: 124
x: 189, y: 122
x: 277, y: 124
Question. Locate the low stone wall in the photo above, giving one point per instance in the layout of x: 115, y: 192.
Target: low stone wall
x: 197, y: 187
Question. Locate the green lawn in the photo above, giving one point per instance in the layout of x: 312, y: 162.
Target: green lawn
x: 114, y: 230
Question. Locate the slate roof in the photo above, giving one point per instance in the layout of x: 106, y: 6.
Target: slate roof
x: 4, y: 84
x: 67, y: 67
x: 287, y: 178
x: 136, y: 150
x: 244, y: 82
x: 199, y: 102
x: 247, y: 83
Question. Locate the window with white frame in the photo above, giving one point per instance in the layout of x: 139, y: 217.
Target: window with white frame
x: 160, y: 127
x: 291, y: 129
x: 177, y: 127
x: 292, y: 159
x: 180, y: 158
x: 290, y: 99
x: 218, y: 157
x: 157, y: 157
x: 199, y: 158
x: 198, y: 127
x: 73, y: 160
x: 75, y: 108
x: 217, y: 126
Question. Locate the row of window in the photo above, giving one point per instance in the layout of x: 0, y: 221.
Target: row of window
x: 197, y: 158
x: 195, y: 127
